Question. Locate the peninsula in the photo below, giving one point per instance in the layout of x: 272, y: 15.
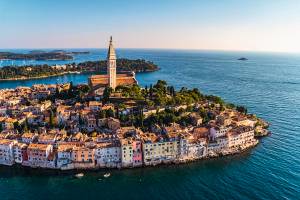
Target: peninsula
x: 43, y: 71
x: 41, y: 55
x: 112, y: 122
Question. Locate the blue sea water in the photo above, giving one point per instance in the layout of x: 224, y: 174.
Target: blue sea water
x: 268, y: 84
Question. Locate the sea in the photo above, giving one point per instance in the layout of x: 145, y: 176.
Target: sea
x: 268, y: 84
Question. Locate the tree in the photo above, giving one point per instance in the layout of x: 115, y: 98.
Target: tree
x: 51, y: 119
x: 230, y: 105
x: 84, y: 88
x: 172, y: 91
x: 17, y: 126
x: 242, y: 109
x: 102, y: 114
x: 57, y: 93
x: 146, y: 89
x: 25, y: 125
x: 151, y: 91
x: 110, y: 113
x: 161, y: 86
x: 106, y: 94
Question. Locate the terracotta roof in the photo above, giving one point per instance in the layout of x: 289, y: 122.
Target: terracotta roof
x: 103, y: 80
x: 5, y: 142
x: 41, y: 147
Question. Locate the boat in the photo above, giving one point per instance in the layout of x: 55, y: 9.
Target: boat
x: 79, y: 175
x: 106, y: 175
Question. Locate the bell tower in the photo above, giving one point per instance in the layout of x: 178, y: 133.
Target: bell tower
x: 112, y: 65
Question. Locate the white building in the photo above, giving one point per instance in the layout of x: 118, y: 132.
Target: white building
x: 29, y: 137
x: 240, y: 136
x: 218, y: 145
x: 191, y: 149
x: 108, y: 155
x: 218, y: 131
x: 6, y: 152
x: 64, y: 154
x: 20, y: 152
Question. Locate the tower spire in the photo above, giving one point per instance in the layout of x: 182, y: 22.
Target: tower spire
x: 111, y: 54
x: 111, y: 65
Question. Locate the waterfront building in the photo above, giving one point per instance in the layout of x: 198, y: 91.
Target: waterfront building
x: 191, y: 148
x: 131, y: 152
x: 83, y: 154
x: 6, y: 152
x: 156, y: 150
x: 218, y: 145
x: 64, y: 154
x: 243, y: 121
x: 20, y: 152
x: 240, y: 136
x: 112, y: 79
x: 108, y: 154
x: 38, y: 155
x: 218, y: 131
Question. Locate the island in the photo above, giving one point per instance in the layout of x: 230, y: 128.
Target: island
x: 42, y: 71
x: 243, y: 59
x: 41, y: 55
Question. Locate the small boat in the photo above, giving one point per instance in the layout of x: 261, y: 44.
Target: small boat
x: 106, y: 175
x: 80, y: 175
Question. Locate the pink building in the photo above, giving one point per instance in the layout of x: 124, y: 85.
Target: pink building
x: 131, y: 152
x: 137, y: 153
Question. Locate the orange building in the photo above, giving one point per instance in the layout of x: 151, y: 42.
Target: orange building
x: 83, y: 154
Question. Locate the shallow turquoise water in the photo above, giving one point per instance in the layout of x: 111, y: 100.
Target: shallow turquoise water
x: 268, y: 84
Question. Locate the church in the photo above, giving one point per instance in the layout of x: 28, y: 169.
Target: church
x: 111, y: 79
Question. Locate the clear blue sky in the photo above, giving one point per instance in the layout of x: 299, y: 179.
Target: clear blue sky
x: 257, y: 25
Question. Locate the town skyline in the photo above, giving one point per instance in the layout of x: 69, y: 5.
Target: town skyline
x: 224, y: 25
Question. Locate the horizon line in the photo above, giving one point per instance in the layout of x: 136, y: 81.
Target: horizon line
x: 151, y: 48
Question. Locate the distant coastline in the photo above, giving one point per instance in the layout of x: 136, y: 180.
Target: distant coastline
x: 39, y: 55
x: 28, y: 72
x: 38, y: 77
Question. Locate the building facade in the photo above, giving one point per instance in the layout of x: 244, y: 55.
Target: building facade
x: 108, y: 155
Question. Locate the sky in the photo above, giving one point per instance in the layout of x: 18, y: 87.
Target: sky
x: 249, y: 25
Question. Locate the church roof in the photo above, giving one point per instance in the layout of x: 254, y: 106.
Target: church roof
x: 111, y: 54
x: 103, y: 80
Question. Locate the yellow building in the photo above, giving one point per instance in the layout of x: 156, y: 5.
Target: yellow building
x: 156, y: 151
